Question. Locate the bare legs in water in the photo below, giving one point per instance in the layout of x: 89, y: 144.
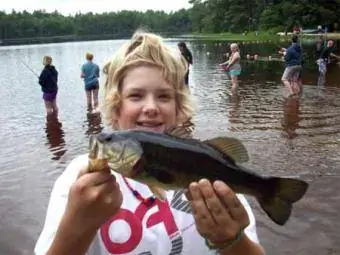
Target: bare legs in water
x: 288, y: 84
x: 51, y: 107
x: 234, y: 84
x: 321, y: 80
x: 92, y: 96
x: 291, y: 79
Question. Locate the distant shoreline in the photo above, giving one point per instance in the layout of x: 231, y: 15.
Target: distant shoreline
x: 261, y: 37
x: 72, y: 38
x: 59, y: 39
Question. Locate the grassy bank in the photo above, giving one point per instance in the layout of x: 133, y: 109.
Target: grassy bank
x: 236, y: 37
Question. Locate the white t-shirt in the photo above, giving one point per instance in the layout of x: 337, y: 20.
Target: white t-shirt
x: 167, y: 228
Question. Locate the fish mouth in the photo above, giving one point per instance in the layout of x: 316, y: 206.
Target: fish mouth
x: 93, y: 148
x: 154, y: 126
x: 98, y: 151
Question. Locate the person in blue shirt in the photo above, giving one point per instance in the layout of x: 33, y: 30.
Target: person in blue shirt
x: 90, y: 74
x: 291, y: 75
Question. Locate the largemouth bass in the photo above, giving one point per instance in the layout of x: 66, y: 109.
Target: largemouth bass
x: 168, y: 162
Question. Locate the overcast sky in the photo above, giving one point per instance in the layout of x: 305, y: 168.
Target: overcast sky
x: 97, y: 6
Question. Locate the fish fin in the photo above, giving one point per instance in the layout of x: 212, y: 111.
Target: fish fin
x: 158, y: 192
x: 231, y: 147
x: 183, y: 130
x: 285, y: 192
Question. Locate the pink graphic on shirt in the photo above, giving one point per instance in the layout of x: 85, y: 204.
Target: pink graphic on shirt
x: 134, y: 220
x: 164, y: 215
x: 132, y: 242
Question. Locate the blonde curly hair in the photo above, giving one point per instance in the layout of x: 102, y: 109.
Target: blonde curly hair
x: 145, y: 49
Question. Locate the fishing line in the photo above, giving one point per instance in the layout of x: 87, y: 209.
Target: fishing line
x: 29, y: 68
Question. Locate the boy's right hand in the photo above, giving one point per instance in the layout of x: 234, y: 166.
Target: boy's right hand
x: 93, y: 199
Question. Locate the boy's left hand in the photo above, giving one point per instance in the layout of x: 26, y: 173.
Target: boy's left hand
x: 218, y: 213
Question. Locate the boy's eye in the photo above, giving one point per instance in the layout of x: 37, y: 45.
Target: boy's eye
x: 135, y: 96
x: 165, y: 96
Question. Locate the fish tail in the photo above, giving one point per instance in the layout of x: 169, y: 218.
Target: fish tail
x: 285, y: 191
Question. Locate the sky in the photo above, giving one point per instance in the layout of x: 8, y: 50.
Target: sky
x: 67, y: 7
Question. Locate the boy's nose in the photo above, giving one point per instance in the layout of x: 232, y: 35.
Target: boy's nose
x: 151, y: 107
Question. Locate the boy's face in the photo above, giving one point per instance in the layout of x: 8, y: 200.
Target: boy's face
x: 148, y: 101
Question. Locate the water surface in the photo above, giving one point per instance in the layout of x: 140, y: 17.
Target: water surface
x: 285, y: 137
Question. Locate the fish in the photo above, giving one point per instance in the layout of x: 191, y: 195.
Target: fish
x: 174, y: 159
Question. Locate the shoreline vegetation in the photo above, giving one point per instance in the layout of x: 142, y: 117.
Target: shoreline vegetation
x: 261, y: 36
x: 224, y: 20
x: 249, y: 37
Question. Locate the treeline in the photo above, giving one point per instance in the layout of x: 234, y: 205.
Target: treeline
x: 41, y: 24
x: 270, y: 15
x: 210, y: 16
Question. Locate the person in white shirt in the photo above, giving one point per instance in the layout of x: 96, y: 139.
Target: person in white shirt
x: 105, y: 213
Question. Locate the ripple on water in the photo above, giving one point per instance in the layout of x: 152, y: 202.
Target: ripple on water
x: 261, y: 117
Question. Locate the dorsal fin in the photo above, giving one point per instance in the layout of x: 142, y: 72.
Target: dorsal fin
x: 230, y: 146
x: 183, y: 130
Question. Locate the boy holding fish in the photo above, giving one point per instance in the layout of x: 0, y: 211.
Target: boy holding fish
x: 94, y: 210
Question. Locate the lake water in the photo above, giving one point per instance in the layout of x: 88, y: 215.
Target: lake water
x: 284, y: 137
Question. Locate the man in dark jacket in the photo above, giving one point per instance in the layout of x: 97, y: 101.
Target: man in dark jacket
x: 48, y: 81
x: 291, y: 75
x: 326, y: 57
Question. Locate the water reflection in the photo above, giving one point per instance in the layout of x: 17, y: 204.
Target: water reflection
x: 94, y: 123
x: 291, y: 117
x: 55, y: 136
x: 234, y: 106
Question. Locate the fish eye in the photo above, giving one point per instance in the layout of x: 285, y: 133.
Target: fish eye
x: 104, y: 137
x: 108, y: 138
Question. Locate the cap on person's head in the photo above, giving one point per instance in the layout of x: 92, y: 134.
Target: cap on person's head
x: 295, y: 38
x: 89, y: 56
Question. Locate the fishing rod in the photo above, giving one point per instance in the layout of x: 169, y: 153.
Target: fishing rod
x: 29, y: 68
